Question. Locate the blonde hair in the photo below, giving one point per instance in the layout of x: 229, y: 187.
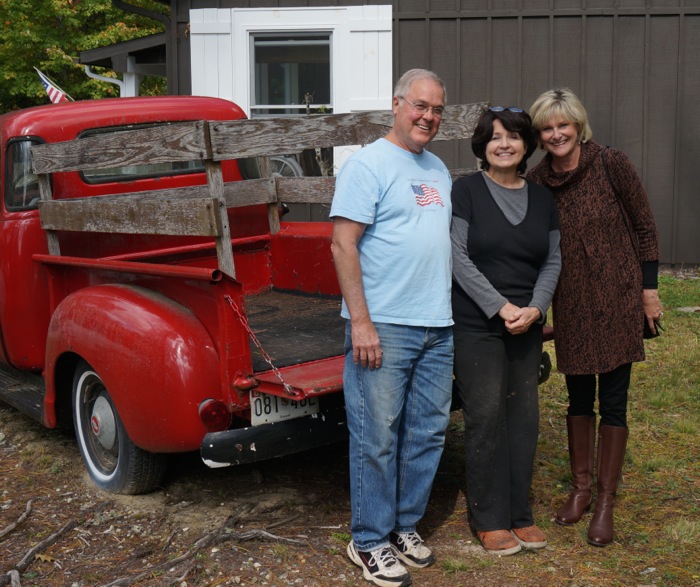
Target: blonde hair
x: 564, y: 103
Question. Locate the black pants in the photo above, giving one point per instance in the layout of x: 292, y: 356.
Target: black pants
x: 612, y: 395
x: 496, y: 375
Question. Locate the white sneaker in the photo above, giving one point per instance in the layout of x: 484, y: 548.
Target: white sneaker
x: 410, y: 549
x: 380, y: 566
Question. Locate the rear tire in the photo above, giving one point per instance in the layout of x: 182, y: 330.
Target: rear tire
x: 113, y: 461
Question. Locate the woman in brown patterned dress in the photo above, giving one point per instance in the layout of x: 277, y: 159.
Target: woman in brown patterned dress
x: 608, y: 280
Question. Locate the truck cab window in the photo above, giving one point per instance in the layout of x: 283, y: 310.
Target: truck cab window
x: 21, y: 185
x: 134, y: 172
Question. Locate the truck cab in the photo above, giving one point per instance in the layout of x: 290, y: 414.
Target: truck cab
x: 41, y: 361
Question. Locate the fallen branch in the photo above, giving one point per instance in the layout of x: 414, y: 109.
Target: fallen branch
x: 218, y: 536
x: 43, y: 545
x: 32, y: 552
x: 21, y: 519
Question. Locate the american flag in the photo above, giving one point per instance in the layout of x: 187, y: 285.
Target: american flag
x: 426, y: 195
x: 56, y: 94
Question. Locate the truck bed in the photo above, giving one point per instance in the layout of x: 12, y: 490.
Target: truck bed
x: 295, y: 327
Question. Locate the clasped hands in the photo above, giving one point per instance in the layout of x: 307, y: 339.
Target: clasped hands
x: 518, y: 320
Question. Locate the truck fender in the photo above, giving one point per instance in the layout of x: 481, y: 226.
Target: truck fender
x: 156, y: 359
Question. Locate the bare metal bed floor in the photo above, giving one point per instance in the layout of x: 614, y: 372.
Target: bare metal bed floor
x: 294, y: 327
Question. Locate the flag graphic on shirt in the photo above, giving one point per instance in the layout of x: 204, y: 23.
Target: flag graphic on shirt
x: 56, y: 94
x: 426, y: 195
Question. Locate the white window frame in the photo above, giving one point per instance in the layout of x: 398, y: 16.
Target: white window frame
x: 298, y: 108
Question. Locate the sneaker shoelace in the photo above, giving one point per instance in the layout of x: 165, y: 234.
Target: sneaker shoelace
x: 410, y: 539
x: 384, y: 557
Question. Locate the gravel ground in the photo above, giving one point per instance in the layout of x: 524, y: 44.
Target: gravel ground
x: 282, y: 522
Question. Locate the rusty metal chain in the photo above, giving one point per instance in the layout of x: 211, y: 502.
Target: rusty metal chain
x: 256, y: 342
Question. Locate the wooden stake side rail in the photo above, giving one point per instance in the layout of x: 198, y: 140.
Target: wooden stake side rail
x: 177, y: 142
x: 236, y: 139
x: 201, y: 210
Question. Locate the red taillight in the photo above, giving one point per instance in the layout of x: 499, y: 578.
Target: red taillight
x: 214, y: 415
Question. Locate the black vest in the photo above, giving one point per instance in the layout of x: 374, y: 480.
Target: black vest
x: 509, y: 256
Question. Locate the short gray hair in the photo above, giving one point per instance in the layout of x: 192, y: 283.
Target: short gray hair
x: 403, y: 86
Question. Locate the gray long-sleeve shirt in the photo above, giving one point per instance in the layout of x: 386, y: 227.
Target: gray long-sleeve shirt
x: 513, y: 204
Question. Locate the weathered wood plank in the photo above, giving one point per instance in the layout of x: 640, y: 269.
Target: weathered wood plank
x: 168, y: 216
x: 187, y: 141
x: 459, y: 121
x: 236, y: 193
x: 182, y: 141
x: 305, y: 190
x: 46, y: 191
x: 250, y: 192
x: 215, y: 183
x: 290, y: 190
x: 279, y: 136
x: 319, y: 190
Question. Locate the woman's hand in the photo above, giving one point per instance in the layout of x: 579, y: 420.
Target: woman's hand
x: 653, y: 309
x: 518, y: 320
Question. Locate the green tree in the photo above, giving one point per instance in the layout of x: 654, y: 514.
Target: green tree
x: 49, y: 34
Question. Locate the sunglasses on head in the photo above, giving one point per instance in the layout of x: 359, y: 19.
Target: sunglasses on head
x: 502, y: 108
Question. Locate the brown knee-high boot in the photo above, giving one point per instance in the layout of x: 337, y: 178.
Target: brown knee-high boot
x: 581, y: 430
x: 612, y: 441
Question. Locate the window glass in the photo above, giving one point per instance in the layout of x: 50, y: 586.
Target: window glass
x: 292, y: 74
x: 21, y: 185
x: 133, y: 172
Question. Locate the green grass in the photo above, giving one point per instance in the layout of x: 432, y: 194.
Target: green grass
x: 657, y: 512
x: 679, y: 292
x: 657, y: 516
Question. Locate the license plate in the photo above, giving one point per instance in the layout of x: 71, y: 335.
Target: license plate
x: 266, y: 408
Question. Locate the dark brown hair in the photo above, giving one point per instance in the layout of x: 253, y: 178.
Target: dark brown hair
x: 519, y: 122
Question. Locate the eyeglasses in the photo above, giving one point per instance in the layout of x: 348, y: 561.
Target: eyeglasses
x: 422, y: 109
x: 508, y: 108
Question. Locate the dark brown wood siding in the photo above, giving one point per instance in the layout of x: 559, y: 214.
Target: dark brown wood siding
x: 634, y: 63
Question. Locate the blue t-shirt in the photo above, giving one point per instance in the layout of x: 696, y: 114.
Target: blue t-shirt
x: 405, y: 251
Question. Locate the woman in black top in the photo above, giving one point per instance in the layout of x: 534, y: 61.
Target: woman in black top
x: 506, y: 262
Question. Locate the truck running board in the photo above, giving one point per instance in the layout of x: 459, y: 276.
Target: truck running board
x: 23, y: 391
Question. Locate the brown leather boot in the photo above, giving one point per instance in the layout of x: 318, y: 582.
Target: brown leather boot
x: 612, y: 441
x: 581, y: 431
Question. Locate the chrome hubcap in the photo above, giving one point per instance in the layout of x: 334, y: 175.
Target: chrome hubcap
x: 103, y: 424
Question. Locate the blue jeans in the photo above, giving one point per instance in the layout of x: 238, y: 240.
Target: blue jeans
x: 397, y: 416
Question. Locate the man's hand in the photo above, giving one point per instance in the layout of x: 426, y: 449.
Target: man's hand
x: 366, y: 347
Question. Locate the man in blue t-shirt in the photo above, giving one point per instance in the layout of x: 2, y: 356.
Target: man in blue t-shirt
x: 392, y: 253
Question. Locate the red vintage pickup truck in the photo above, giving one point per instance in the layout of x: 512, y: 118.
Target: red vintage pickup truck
x: 150, y: 296
x: 119, y: 321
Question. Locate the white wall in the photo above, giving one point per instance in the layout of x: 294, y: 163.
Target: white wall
x: 361, y: 75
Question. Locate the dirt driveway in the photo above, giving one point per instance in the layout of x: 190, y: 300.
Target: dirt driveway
x: 279, y: 523
x: 282, y: 522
